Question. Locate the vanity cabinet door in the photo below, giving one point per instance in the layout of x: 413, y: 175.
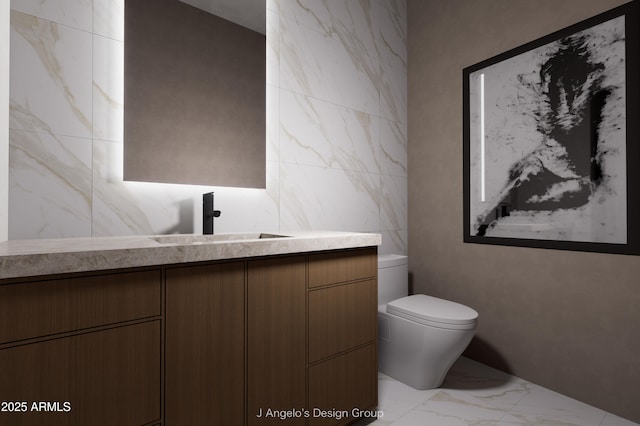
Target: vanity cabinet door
x: 276, y: 339
x: 205, y: 345
x: 103, y: 378
x: 344, y: 387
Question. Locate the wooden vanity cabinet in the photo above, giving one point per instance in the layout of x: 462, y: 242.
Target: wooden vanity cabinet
x: 83, y: 350
x: 205, y: 345
x: 215, y: 343
x: 343, y: 383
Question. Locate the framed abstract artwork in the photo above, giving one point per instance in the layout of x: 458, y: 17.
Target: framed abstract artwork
x: 551, y: 142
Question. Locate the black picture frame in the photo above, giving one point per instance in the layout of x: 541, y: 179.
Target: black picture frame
x: 551, y: 155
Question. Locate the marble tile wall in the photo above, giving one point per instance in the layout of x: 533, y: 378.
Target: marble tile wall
x: 336, y: 126
x: 4, y: 121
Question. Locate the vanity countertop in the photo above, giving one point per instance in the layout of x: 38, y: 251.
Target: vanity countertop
x: 26, y: 258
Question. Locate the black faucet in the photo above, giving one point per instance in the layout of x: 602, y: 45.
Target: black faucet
x: 208, y: 213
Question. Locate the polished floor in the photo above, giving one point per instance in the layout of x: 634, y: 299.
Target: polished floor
x: 474, y: 394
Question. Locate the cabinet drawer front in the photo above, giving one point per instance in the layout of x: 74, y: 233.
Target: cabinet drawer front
x: 342, y: 384
x: 110, y: 377
x: 341, y: 317
x: 342, y: 266
x: 42, y: 308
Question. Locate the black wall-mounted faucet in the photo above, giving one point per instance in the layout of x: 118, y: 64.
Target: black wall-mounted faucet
x: 208, y: 213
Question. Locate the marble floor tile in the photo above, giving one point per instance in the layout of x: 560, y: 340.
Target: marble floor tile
x: 545, y: 407
x: 474, y: 394
x: 396, y: 398
x: 457, y: 408
x: 479, y: 385
x: 613, y: 420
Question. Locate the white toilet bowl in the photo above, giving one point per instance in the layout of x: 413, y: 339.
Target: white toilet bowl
x: 419, y: 336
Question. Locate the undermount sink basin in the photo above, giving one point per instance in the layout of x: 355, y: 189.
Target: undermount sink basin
x: 215, y: 238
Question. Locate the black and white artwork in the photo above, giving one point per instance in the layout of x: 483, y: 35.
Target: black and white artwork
x: 547, y: 140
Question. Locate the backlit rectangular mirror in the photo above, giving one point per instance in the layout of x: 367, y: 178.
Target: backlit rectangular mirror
x: 194, y: 109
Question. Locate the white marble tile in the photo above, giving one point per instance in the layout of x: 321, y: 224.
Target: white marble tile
x: 302, y: 13
x: 396, y: 398
x: 547, y: 418
x: 613, y: 420
x: 393, y: 94
x: 5, y: 12
x: 394, y: 242
x: 272, y: 5
x: 322, y: 134
x: 475, y: 394
x: 108, y: 18
x: 394, y: 190
x: 390, y: 29
x: 489, y: 401
x: 108, y: 89
x: 484, y: 386
x: 273, y: 48
x: 393, y: 203
x: 321, y: 198
x: 345, y: 19
x: 393, y: 148
x: 272, y: 124
x: 49, y: 186
x: 335, y: 65
x: 453, y: 407
x: 50, y: 77
x: 73, y: 13
x: 131, y: 208
x: 545, y: 407
x: 465, y: 417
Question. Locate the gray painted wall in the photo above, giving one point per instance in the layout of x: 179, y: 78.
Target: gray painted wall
x: 565, y: 320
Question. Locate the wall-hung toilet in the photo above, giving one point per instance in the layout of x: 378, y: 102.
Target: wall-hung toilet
x: 419, y: 336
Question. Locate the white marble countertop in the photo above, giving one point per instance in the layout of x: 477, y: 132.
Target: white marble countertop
x: 26, y: 258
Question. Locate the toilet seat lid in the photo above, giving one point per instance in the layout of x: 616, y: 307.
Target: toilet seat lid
x: 427, y: 309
